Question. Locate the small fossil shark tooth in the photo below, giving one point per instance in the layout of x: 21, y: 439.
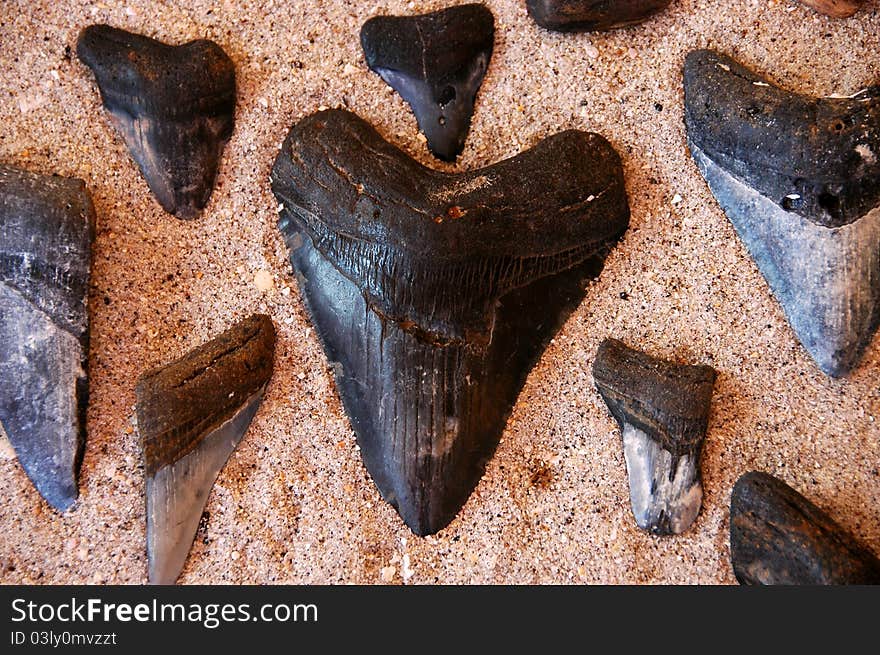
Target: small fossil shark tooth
x: 174, y: 106
x: 47, y: 225
x: 835, y: 8
x: 778, y: 537
x: 662, y: 409
x: 799, y: 178
x: 434, y: 294
x: 436, y: 62
x: 592, y: 15
x: 191, y: 415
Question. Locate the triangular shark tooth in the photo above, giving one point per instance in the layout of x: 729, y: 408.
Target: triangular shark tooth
x: 799, y: 178
x: 592, y: 15
x: 191, y: 415
x: 174, y: 106
x: 663, y: 410
x: 436, y: 62
x: 835, y: 8
x: 778, y: 537
x: 434, y: 294
x: 47, y: 224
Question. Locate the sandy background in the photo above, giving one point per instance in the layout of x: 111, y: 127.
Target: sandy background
x: 294, y: 503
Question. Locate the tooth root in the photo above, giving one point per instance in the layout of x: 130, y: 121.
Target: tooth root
x: 46, y: 231
x: 589, y: 15
x: 192, y: 414
x: 437, y: 63
x: 662, y: 409
x: 778, y: 537
x: 799, y: 180
x: 432, y: 326
x: 174, y: 106
x: 835, y: 8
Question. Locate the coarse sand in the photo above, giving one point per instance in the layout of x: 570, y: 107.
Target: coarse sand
x: 294, y: 504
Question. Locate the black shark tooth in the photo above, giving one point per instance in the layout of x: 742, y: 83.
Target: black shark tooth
x: 47, y: 225
x: 778, y: 537
x: 663, y: 410
x: 799, y: 178
x: 434, y: 294
x: 436, y: 62
x: 174, y: 105
x: 592, y: 15
x: 191, y: 415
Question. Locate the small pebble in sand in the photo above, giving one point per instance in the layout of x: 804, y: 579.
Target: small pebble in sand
x: 387, y: 573
x: 676, y: 199
x: 263, y: 281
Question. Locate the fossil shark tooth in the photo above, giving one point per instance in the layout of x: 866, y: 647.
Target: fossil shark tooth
x: 436, y: 62
x: 835, y: 8
x: 191, y: 415
x: 662, y: 409
x: 778, y: 537
x: 434, y: 294
x: 592, y: 15
x: 47, y: 224
x: 799, y: 178
x: 174, y: 106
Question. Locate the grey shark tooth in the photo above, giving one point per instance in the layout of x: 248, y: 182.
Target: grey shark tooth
x: 174, y: 106
x: 434, y: 294
x: 436, y: 62
x: 191, y: 415
x: 47, y: 225
x: 799, y: 178
x: 778, y: 537
x: 592, y: 15
x: 835, y: 8
x: 662, y: 409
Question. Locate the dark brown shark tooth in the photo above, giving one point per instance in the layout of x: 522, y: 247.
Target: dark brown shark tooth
x: 778, y: 537
x: 191, y: 415
x: 47, y: 224
x: 592, y: 15
x: 663, y: 410
x: 434, y: 294
x: 436, y: 62
x: 799, y: 178
x: 174, y: 105
x: 835, y: 8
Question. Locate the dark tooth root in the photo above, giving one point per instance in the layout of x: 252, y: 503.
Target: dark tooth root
x: 835, y: 8
x: 47, y: 226
x: 432, y: 325
x: 779, y: 537
x: 823, y: 153
x: 173, y: 104
x: 191, y: 415
x: 592, y: 15
x: 436, y: 62
x: 663, y: 410
x: 818, y: 251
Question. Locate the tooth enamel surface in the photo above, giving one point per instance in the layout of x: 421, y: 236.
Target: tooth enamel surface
x: 826, y: 279
x: 665, y: 490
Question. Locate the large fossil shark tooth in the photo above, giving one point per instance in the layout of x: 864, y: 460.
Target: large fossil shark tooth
x: 592, y: 15
x: 778, y: 537
x: 799, y: 178
x: 434, y: 294
x: 663, y: 410
x: 835, y: 8
x: 174, y: 106
x: 436, y: 62
x: 47, y: 224
x: 191, y: 415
